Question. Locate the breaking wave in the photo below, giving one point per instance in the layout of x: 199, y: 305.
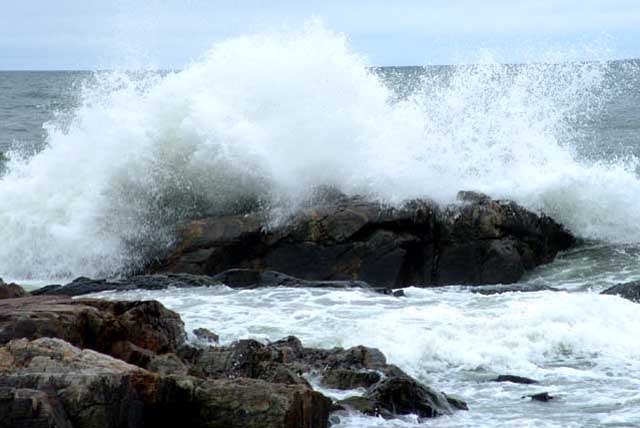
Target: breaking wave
x: 263, y: 120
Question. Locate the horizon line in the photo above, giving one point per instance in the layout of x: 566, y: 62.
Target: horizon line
x: 95, y: 70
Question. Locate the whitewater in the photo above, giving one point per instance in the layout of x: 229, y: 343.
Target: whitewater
x: 264, y: 120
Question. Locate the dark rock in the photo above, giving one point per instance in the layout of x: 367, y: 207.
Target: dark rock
x: 81, y: 286
x: 26, y: 408
x: 629, y: 291
x: 515, y: 379
x: 543, y: 396
x: 133, y: 331
x: 349, y: 379
x: 479, y: 241
x: 359, y: 367
x: 456, y: 403
x: 403, y: 395
x: 206, y: 335
x: 253, y: 278
x: 49, y: 383
x: 234, y: 278
x: 11, y: 291
x: 511, y: 288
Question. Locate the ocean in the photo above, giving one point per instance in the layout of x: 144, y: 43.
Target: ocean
x: 102, y: 164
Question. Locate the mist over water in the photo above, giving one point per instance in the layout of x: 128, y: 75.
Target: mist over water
x: 260, y: 121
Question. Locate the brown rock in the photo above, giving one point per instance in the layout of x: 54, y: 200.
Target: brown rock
x: 11, y: 291
x: 133, y: 331
x: 49, y: 383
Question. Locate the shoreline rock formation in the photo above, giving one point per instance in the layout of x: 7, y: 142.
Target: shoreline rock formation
x: 480, y: 241
x: 67, y: 363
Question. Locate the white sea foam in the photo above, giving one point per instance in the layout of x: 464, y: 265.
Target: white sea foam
x: 264, y: 119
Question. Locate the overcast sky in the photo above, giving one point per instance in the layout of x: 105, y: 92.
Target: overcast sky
x: 89, y: 34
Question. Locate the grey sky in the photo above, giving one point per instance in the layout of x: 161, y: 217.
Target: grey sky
x: 72, y: 34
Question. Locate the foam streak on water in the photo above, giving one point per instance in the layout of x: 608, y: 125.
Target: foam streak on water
x: 261, y: 120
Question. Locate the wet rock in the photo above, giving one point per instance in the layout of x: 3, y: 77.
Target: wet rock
x: 48, y: 382
x: 11, y: 291
x: 349, y: 379
x: 543, y: 396
x: 81, y: 286
x: 515, y: 379
x: 253, y: 278
x: 133, y: 331
x: 511, y: 288
x: 356, y: 358
x: 403, y: 395
x: 629, y: 291
x: 479, y: 241
x: 206, y: 335
x: 456, y: 403
x: 234, y: 278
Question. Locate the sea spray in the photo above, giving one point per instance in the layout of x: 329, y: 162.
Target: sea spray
x: 261, y: 121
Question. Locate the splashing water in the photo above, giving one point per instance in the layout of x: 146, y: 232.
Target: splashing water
x: 262, y: 120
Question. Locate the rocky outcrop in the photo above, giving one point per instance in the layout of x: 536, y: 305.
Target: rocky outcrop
x: 50, y: 383
x: 629, y: 291
x: 131, y: 331
x: 479, y: 241
x: 11, y: 291
x: 234, y: 278
x: 152, y: 377
x: 389, y: 391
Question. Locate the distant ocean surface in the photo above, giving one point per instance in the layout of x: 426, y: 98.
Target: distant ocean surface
x: 102, y: 164
x: 29, y: 99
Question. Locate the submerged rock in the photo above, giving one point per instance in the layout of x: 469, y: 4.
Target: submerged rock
x: 629, y: 291
x: 511, y: 288
x: 542, y: 396
x: 479, y: 241
x: 515, y: 379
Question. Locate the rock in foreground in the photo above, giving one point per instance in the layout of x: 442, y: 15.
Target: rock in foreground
x: 629, y: 291
x: 131, y: 331
x: 11, y: 291
x: 151, y: 377
x: 480, y: 241
x: 50, y: 383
